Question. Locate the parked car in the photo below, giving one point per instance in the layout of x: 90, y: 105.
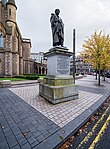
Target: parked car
x: 107, y: 75
x: 82, y: 73
x: 90, y: 73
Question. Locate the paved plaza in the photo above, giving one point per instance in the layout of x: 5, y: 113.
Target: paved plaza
x: 61, y: 114
x: 26, y: 119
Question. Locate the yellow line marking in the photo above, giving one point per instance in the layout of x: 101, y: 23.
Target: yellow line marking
x: 93, y: 129
x: 100, y: 133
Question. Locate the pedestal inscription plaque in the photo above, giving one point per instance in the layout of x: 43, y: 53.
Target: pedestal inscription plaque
x: 63, y: 65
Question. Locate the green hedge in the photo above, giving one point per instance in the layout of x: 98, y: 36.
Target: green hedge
x: 29, y: 76
x: 42, y: 74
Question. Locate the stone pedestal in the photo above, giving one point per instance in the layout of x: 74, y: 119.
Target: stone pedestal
x: 58, y: 86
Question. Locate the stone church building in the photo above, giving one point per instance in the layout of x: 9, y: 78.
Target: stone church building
x: 14, y: 50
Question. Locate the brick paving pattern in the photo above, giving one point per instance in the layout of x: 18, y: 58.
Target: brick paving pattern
x: 62, y: 113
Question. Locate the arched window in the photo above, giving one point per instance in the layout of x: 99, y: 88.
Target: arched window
x: 1, y: 41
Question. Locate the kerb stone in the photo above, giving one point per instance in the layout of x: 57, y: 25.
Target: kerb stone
x: 5, y: 83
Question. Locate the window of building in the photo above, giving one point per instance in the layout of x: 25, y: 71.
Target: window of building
x: 10, y: 12
x: 1, y: 41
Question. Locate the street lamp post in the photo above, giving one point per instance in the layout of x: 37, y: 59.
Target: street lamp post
x: 74, y: 55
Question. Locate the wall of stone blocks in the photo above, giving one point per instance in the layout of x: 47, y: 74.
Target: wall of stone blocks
x: 15, y: 44
x: 8, y: 64
x: 20, y: 50
x: 8, y: 43
x: 0, y: 12
x: 15, y: 64
x: 32, y: 67
x: 26, y: 50
x: 4, y: 15
x: 2, y: 64
x: 21, y: 66
x: 26, y: 67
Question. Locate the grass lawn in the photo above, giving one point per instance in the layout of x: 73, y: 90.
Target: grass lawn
x: 42, y: 77
x: 25, y: 77
x: 13, y: 79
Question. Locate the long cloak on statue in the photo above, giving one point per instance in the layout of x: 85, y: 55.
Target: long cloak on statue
x: 57, y: 30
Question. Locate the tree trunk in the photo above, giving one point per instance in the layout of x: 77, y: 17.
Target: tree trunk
x: 99, y: 75
x: 104, y: 75
x: 96, y: 74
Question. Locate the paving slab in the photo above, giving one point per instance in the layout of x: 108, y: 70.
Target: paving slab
x: 33, y: 122
x: 14, y: 132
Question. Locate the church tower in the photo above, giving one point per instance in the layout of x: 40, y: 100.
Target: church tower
x: 11, y: 50
x: 11, y: 8
x: 14, y: 50
x: 11, y: 14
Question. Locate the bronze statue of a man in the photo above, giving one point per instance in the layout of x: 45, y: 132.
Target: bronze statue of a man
x: 57, y: 28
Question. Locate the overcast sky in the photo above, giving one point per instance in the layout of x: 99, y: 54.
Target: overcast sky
x: 85, y: 16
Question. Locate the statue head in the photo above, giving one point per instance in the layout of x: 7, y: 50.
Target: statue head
x: 57, y: 11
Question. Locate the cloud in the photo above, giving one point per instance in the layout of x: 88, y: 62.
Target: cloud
x: 85, y: 16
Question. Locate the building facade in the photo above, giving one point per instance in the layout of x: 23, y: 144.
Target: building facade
x: 38, y: 57
x: 40, y: 62
x: 14, y: 50
x: 81, y: 67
